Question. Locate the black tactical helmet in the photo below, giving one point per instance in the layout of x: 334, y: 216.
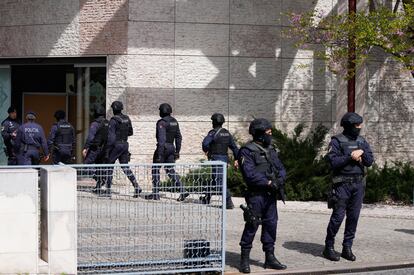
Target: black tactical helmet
x: 117, y: 106
x: 60, y: 114
x: 165, y: 109
x: 350, y: 119
x: 99, y: 110
x: 218, y: 118
x: 259, y: 126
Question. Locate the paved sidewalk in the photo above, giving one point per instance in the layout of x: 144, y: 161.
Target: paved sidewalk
x: 385, y: 236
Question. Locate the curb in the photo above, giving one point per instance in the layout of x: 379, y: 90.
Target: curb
x: 368, y: 267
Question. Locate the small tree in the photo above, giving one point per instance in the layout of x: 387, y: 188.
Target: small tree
x: 390, y: 30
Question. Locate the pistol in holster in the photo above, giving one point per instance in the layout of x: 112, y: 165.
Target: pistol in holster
x: 249, y: 216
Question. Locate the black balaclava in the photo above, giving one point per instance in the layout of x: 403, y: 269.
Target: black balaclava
x: 349, y: 121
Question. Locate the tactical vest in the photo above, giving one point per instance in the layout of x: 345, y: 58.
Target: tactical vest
x: 122, y: 128
x: 347, y: 146
x: 172, y: 128
x: 220, y: 142
x: 64, y: 133
x: 101, y: 136
x: 262, y: 164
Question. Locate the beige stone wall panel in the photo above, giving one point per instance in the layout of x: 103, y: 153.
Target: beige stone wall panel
x: 289, y: 50
x: 193, y: 134
x: 389, y: 76
x: 150, y: 38
x: 201, y: 72
x: 397, y: 106
x: 372, y: 110
x: 152, y: 10
x: 307, y: 74
x: 202, y: 11
x: 35, y: 12
x: 240, y: 131
x: 245, y: 105
x: 306, y: 106
x: 142, y: 103
x: 201, y: 39
x: 255, y: 73
x: 396, y: 137
x: 371, y: 132
x: 103, y: 10
x: 200, y: 104
x: 151, y: 71
x: 255, y: 41
x: 324, y: 7
x: 143, y: 141
x: 104, y: 37
x: 255, y: 12
x: 39, y: 40
x: 117, y: 71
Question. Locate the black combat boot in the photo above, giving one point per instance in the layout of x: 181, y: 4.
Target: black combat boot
x: 153, y: 196
x: 244, y: 260
x: 330, y: 253
x: 137, y: 189
x: 106, y: 193
x: 272, y: 262
x: 229, y: 203
x: 205, y: 199
x: 183, y: 196
x: 347, y: 253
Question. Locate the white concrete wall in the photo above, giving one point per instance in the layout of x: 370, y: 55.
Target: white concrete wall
x: 19, y: 227
x: 59, y: 219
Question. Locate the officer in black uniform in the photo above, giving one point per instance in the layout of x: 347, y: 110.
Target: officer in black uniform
x: 264, y: 175
x: 120, y: 128
x: 9, y: 128
x: 348, y: 155
x: 167, y: 132
x: 95, y: 151
x: 29, y: 139
x: 62, y: 139
x: 215, y: 145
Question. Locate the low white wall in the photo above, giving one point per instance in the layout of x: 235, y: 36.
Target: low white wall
x: 19, y: 231
x: 59, y: 220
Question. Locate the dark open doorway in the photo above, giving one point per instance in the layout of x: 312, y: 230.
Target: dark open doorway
x: 74, y: 85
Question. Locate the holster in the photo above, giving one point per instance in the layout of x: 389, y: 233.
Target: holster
x: 250, y: 217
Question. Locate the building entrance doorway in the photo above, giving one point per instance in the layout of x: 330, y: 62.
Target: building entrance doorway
x: 47, y: 85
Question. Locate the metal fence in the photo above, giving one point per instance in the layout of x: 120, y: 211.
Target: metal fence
x: 152, y: 232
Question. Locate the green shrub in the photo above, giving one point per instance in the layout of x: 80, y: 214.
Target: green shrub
x: 390, y: 183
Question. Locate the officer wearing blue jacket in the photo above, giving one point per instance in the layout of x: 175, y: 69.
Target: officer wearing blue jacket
x: 264, y: 175
x: 120, y: 128
x: 215, y: 145
x: 94, y: 150
x: 9, y: 128
x: 61, y: 140
x: 29, y: 139
x: 348, y: 156
x: 167, y: 133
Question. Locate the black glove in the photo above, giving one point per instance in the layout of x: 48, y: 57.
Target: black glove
x: 275, y: 186
x: 176, y: 155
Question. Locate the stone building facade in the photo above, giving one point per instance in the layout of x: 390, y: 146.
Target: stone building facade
x: 206, y: 56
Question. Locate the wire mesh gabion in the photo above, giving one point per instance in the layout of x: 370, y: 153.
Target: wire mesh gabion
x: 148, y: 228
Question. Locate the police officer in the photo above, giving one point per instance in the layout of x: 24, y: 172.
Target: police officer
x: 167, y: 132
x: 264, y: 175
x: 120, y: 128
x: 61, y: 140
x: 94, y: 150
x: 215, y: 145
x: 9, y: 128
x: 29, y: 139
x: 348, y: 155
